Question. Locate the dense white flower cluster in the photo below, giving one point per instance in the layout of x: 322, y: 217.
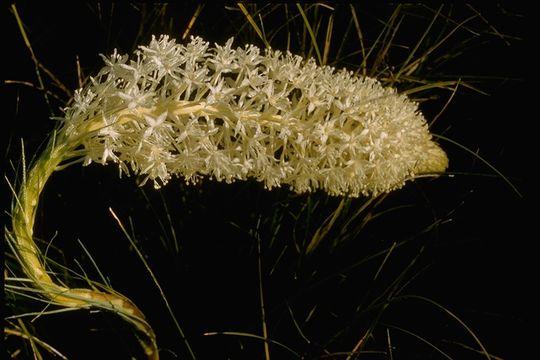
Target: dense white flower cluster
x: 232, y: 114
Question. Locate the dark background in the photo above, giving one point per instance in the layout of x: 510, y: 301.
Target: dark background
x: 479, y: 263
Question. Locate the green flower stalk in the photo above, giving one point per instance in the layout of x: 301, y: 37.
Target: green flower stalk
x: 59, y: 150
x: 197, y: 111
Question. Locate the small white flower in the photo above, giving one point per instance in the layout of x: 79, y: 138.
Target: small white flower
x: 134, y: 97
x: 153, y: 123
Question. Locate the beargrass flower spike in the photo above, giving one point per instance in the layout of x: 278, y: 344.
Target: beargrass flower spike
x: 228, y: 114
x: 233, y: 114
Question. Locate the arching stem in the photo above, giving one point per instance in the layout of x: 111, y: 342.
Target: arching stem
x: 23, y: 218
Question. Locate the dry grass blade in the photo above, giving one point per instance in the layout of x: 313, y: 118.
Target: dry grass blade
x: 374, y: 323
x: 385, y: 39
x: 467, y: 347
x: 360, y: 34
x: 328, y: 39
x: 487, y: 163
x: 191, y: 22
x: 422, y: 339
x: 410, y: 66
x: 253, y: 24
x: 453, y: 316
x: 389, y: 342
x: 487, y: 22
x: 103, y: 278
x: 156, y: 282
x: 253, y: 336
x: 311, y: 33
x: 32, y: 55
x: 261, y: 299
x: 22, y: 332
x: 326, y: 226
x: 32, y: 85
x: 297, y: 326
x: 454, y: 91
x: 386, y: 257
x: 407, y: 66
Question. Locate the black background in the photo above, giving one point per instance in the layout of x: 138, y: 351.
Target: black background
x: 481, y: 266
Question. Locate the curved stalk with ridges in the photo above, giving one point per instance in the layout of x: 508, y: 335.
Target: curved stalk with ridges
x: 61, y: 150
